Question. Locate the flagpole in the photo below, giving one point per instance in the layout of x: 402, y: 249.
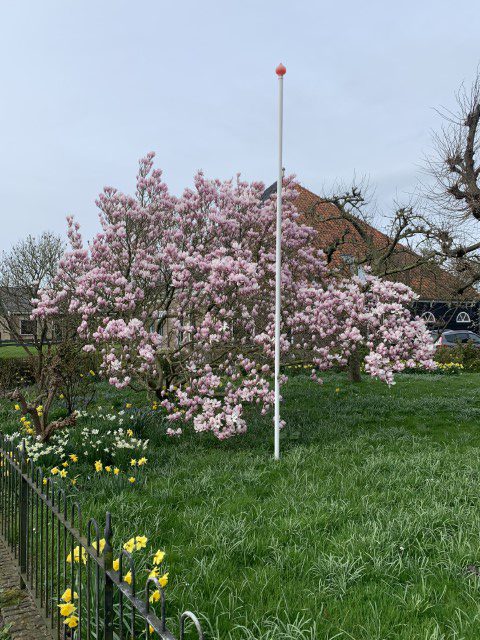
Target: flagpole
x: 280, y: 71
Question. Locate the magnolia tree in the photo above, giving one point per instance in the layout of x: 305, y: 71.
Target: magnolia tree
x: 177, y: 295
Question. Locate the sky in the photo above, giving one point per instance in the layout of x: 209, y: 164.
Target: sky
x: 88, y: 87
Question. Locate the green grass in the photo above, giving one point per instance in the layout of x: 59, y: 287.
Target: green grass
x: 362, y: 531
x: 12, y: 351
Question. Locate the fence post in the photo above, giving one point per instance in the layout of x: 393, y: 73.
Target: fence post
x: 23, y: 513
x: 108, y: 594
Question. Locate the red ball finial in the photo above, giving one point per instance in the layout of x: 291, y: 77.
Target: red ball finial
x: 280, y: 70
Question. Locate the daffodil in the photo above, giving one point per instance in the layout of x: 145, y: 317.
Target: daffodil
x: 65, y: 464
x: 153, y: 573
x: 128, y: 577
x: 76, y: 555
x: 101, y: 546
x: 98, y: 466
x: 131, y: 480
x: 71, y: 621
x: 108, y: 468
x: 73, y: 457
x: 67, y: 595
x: 116, y: 471
x: 141, y: 542
x: 116, y: 564
x: 54, y: 471
x: 155, y: 597
x: 128, y: 405
x: 163, y: 580
x: 67, y: 608
x: 141, y: 462
x: 17, y: 407
x: 133, y: 462
x: 129, y: 545
x: 63, y: 473
x: 158, y: 557
x: 129, y: 433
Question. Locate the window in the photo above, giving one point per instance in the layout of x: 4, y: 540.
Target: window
x: 428, y: 317
x: 463, y: 317
x: 27, y: 327
x: 456, y: 336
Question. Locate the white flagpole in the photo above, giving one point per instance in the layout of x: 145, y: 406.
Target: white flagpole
x: 280, y: 71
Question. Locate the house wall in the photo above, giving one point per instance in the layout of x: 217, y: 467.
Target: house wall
x: 446, y: 314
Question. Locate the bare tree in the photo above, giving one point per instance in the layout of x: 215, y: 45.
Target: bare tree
x: 398, y: 249
x: 29, y: 266
x: 454, y: 230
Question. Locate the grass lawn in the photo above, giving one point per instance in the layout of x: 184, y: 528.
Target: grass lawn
x: 12, y: 351
x: 363, y: 530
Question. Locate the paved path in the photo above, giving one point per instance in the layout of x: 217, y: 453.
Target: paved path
x: 16, y: 606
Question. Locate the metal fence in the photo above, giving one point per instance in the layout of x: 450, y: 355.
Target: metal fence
x: 55, y: 551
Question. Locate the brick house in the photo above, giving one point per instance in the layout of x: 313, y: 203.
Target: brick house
x: 439, y: 303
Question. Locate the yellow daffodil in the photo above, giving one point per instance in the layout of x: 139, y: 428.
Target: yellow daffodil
x: 67, y: 608
x: 108, y: 468
x: 54, y: 471
x: 150, y: 628
x: 63, y: 473
x: 91, y: 372
x: 128, y: 405
x: 102, y: 545
x: 65, y: 464
x: 153, y: 573
x: 17, y: 407
x: 116, y: 564
x: 67, y: 595
x: 337, y: 390
x: 128, y: 577
x: 141, y: 462
x: 155, y: 597
x: 131, y: 480
x: 74, y: 481
x: 163, y: 580
x: 61, y: 396
x: 71, y: 621
x: 141, y: 542
x: 129, y: 433
x: 133, y: 462
x: 45, y: 481
x: 98, y: 466
x: 129, y: 545
x: 73, y: 457
x: 158, y: 557
x: 76, y: 555
x: 116, y: 471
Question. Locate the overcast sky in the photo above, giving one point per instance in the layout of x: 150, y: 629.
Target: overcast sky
x: 87, y: 87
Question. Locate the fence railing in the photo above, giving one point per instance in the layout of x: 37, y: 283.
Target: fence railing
x: 56, y: 551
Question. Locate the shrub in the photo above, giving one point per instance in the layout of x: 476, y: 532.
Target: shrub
x: 467, y: 355
x: 16, y: 372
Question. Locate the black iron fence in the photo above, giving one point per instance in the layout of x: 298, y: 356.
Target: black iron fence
x: 64, y: 561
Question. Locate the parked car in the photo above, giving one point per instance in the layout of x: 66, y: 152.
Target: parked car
x: 452, y: 338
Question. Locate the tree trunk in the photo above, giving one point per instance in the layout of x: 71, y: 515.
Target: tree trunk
x: 354, y: 373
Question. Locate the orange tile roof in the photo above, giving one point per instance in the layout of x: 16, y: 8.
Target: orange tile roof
x: 431, y: 282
